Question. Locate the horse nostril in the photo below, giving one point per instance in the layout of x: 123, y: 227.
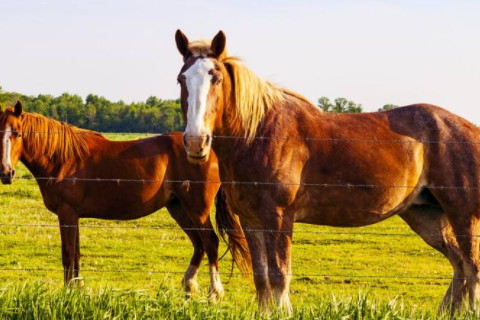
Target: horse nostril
x: 12, y: 173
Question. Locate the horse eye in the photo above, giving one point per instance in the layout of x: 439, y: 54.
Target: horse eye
x: 216, y: 79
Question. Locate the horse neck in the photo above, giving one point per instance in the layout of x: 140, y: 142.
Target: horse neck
x: 229, y: 133
x: 38, y: 166
x: 37, y: 154
x: 226, y: 127
x: 228, y: 124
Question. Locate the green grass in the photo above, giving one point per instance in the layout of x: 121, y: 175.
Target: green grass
x: 153, y: 259
x: 39, y: 301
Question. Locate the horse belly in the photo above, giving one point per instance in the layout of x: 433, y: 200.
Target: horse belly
x: 125, y: 202
x: 356, y: 205
x: 339, y: 217
x: 360, y: 186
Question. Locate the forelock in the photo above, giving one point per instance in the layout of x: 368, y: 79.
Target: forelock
x: 6, y: 114
x: 203, y: 48
x: 200, y: 48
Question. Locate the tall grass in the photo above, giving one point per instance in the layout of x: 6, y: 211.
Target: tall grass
x: 39, y: 301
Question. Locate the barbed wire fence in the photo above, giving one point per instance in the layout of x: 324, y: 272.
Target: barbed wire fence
x: 254, y: 184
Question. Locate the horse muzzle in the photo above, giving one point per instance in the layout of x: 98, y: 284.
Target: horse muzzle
x: 7, y: 178
x: 197, y: 147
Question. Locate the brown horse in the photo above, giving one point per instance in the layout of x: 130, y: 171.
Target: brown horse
x: 284, y: 161
x: 74, y: 158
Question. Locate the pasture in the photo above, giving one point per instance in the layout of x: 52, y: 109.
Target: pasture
x: 132, y: 269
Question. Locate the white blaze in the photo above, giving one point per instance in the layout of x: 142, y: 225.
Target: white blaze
x: 198, y: 81
x: 6, y: 144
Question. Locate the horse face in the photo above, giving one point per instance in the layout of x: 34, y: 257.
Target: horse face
x: 200, y: 80
x: 11, y: 142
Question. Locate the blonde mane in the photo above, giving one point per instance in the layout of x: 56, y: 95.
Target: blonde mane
x: 253, y: 96
x: 55, y: 142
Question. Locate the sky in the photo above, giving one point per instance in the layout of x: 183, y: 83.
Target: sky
x: 371, y: 52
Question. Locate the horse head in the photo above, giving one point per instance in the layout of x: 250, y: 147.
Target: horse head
x: 11, y: 141
x: 201, y: 79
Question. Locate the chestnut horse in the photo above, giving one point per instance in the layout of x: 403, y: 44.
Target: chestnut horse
x: 284, y: 161
x: 74, y: 157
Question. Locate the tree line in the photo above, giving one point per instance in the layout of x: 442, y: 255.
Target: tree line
x: 342, y: 105
x: 97, y: 113
x: 153, y: 115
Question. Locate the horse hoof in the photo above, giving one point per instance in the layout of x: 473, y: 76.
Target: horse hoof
x: 190, y: 287
x: 215, y: 295
x: 76, y: 283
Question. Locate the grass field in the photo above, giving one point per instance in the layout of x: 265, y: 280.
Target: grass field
x: 362, y: 273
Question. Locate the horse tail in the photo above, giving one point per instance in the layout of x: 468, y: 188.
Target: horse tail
x: 228, y: 223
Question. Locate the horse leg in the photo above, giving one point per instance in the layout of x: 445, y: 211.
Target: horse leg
x: 189, y: 281
x: 210, y: 243
x: 77, y: 281
x: 258, y: 251
x: 432, y: 225
x: 68, y: 221
x: 466, y: 230
x: 279, y: 244
x: 77, y: 255
x: 196, y: 204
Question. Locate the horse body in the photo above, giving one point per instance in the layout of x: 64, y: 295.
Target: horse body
x: 287, y: 161
x: 81, y: 174
x: 329, y: 178
x: 122, y: 163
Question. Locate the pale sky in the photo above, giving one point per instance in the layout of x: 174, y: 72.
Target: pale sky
x: 372, y: 52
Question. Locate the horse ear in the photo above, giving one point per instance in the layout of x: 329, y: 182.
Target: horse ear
x: 182, y: 43
x: 218, y: 44
x: 18, y: 109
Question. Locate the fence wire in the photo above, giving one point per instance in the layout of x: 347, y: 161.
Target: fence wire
x: 253, y: 183
x: 313, y: 275
x: 154, y: 227
x: 266, y: 138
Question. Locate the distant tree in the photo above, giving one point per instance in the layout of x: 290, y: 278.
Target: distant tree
x: 324, y: 104
x: 100, y: 114
x: 152, y: 101
x: 388, y: 107
x: 90, y: 113
x: 341, y: 105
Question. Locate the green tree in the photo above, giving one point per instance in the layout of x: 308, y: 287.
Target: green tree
x: 341, y: 105
x: 388, y: 107
x: 100, y: 114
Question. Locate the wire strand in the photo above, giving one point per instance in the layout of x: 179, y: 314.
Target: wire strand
x: 254, y: 183
x: 326, y: 275
x: 370, y: 140
x: 153, y: 227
